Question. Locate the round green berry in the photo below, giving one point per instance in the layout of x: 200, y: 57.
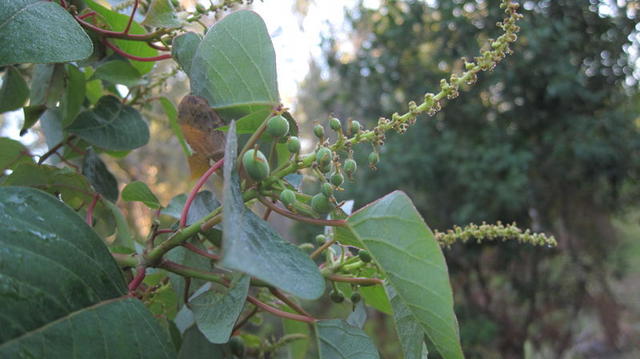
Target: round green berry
x: 355, y: 127
x: 335, y: 124
x: 355, y: 297
x: 373, y: 159
x: 350, y: 167
x: 326, y: 168
x: 321, y: 204
x: 201, y: 9
x: 287, y: 197
x: 337, y: 179
x: 320, y: 239
x: 256, y: 164
x: 324, y: 156
x: 327, y: 189
x: 364, y: 256
x: 277, y: 126
x: 293, y: 144
x: 236, y: 344
x: 336, y: 296
x: 318, y: 130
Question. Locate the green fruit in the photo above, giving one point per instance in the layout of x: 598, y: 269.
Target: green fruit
x: 337, y: 296
x: 287, y: 197
x: 364, y: 256
x: 236, y: 344
x: 327, y: 189
x: 355, y: 127
x: 355, y: 297
x: 175, y: 3
x: 318, y: 130
x: 350, y: 167
x: 293, y: 145
x: 256, y: 164
x: 326, y: 168
x: 201, y: 9
x: 337, y: 179
x: 320, y: 239
x: 373, y: 159
x: 335, y: 124
x: 324, y: 156
x: 321, y: 204
x: 277, y: 126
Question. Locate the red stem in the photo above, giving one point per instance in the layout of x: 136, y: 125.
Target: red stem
x: 133, y: 12
x: 293, y: 305
x: 158, y: 47
x: 280, y: 313
x: 297, y: 217
x: 89, y: 14
x: 134, y: 57
x: 116, y: 34
x: 201, y: 252
x: 92, y: 206
x: 137, y: 280
x: 203, y: 179
x: 165, y: 231
x: 356, y: 280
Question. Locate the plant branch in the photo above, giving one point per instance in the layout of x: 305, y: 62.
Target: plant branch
x: 244, y: 320
x: 54, y: 149
x: 293, y: 305
x: 134, y: 57
x: 321, y: 249
x: 141, y: 271
x: 186, y: 271
x: 133, y: 13
x: 355, y: 280
x: 201, y: 252
x: 297, y: 217
x: 92, y: 206
x: 280, y: 313
x: 194, y: 191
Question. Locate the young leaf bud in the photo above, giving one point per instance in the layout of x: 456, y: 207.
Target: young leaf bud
x: 318, y: 130
x: 278, y: 126
x: 327, y: 189
x: 320, y: 239
x: 293, y: 145
x: 321, y: 204
x: 256, y: 164
x: 335, y: 124
x: 364, y: 256
x: 287, y: 197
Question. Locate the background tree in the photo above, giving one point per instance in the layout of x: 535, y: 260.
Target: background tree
x: 549, y: 141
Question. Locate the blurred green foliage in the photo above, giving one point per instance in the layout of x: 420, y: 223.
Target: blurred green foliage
x: 549, y: 139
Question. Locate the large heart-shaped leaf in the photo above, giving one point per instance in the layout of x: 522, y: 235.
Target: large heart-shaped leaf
x: 405, y: 249
x: 251, y: 246
x: 111, y: 125
x: 40, y: 31
x: 216, y: 312
x: 234, y: 67
x: 61, y: 293
x: 339, y: 340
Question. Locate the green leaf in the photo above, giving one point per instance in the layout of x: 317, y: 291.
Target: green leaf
x: 14, y: 92
x: 188, y: 258
x: 123, y: 238
x: 196, y: 346
x: 118, y: 72
x: 111, y: 125
x: 118, y: 22
x: 296, y: 349
x: 409, y: 331
x: 73, y: 95
x: 12, y: 153
x: 99, y: 176
x: 234, y: 67
x: 392, y: 230
x: 139, y: 192
x: 251, y: 246
x: 172, y: 115
x: 52, y: 306
x: 94, y: 87
x: 339, y: 340
x: 31, y: 116
x: 183, y: 49
x: 204, y: 203
x: 250, y: 123
x: 47, y: 84
x: 161, y: 14
x: 51, y: 125
x: 216, y: 312
x: 39, y: 31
